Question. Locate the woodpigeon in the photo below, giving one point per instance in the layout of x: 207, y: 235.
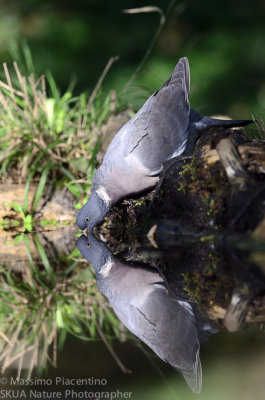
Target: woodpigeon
x: 162, y: 129
x: 171, y: 327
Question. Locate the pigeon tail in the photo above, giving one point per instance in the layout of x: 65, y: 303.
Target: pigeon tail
x: 207, y: 122
x: 193, y: 376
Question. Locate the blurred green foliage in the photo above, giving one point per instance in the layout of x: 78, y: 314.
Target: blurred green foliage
x: 223, y: 40
x: 41, y: 305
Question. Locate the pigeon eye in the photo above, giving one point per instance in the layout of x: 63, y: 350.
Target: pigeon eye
x: 87, y: 219
x: 88, y: 245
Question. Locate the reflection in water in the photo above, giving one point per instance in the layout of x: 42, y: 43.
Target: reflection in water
x: 171, y: 327
x: 44, y: 299
x: 50, y: 298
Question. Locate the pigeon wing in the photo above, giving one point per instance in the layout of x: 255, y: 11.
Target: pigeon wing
x: 169, y: 328
x: 159, y: 130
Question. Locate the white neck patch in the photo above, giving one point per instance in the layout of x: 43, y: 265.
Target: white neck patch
x: 105, y: 270
x: 101, y: 192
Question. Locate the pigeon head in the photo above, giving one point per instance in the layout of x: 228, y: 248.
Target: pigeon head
x: 94, y: 250
x: 92, y: 213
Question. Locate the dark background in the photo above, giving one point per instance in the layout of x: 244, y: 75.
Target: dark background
x: 224, y: 41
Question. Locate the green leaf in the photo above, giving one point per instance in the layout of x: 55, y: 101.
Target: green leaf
x: 27, y: 244
x: 59, y: 318
x: 44, y: 257
x: 78, y: 205
x: 75, y: 253
x: 49, y: 106
x: 4, y: 223
x: 62, y: 337
x: 17, y: 207
x: 26, y: 191
x: 81, y: 203
x: 60, y: 117
x: 49, y: 222
x: 19, y: 238
x: 53, y: 86
x: 75, y: 190
x: 28, y: 226
x: 31, y: 263
x: 28, y: 219
x: 41, y: 187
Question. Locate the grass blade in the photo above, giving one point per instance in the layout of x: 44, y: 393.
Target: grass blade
x: 28, y: 58
x: 44, y: 258
x: 72, y: 178
x: 26, y: 191
x: 41, y: 187
x: 31, y: 262
x: 53, y: 87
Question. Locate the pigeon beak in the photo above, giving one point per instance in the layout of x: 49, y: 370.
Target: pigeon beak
x: 85, y: 232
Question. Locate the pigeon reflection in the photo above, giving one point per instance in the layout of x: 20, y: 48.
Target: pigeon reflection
x: 139, y: 298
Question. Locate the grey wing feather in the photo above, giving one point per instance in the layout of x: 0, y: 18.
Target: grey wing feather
x: 162, y: 122
x: 181, y: 71
x: 193, y: 376
x: 170, y: 330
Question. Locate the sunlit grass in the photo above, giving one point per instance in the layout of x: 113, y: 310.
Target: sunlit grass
x: 49, y: 136
x: 39, y: 307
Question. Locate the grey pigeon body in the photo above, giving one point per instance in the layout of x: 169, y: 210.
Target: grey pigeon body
x: 136, y: 155
x: 161, y: 130
x: 140, y: 300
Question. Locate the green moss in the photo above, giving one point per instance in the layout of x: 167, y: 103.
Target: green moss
x: 188, y: 176
x: 141, y: 203
x: 209, y: 201
x: 208, y: 284
x: 207, y: 238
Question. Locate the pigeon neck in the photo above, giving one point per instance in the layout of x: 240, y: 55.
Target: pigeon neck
x: 99, y: 255
x: 103, y: 206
